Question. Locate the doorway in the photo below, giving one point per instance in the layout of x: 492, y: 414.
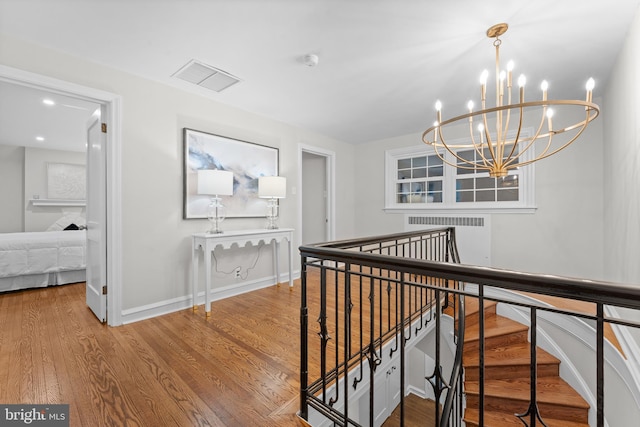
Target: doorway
x: 110, y: 104
x: 317, y: 201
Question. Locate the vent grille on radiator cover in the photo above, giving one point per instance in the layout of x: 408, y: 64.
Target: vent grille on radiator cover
x: 447, y: 221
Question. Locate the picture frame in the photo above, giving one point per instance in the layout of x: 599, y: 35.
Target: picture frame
x: 246, y: 160
x: 66, y: 181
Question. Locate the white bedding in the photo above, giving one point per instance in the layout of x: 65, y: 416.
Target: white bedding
x: 45, y: 258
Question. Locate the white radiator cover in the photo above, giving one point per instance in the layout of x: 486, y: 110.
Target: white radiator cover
x: 473, y: 233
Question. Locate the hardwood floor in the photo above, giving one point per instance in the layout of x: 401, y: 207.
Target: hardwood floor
x: 238, y: 368
x: 418, y: 413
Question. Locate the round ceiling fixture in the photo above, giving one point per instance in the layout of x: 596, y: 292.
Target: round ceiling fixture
x: 310, y: 60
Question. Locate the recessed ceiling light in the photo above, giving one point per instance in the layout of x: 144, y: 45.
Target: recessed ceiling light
x: 40, y: 138
x: 48, y: 101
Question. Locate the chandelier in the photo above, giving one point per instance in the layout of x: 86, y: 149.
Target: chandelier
x: 499, y: 148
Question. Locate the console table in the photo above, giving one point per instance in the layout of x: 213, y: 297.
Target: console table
x: 208, y: 242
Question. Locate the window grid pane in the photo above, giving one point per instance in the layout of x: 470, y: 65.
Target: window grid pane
x: 477, y: 187
x: 418, y: 185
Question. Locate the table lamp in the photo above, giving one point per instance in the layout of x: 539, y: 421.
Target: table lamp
x: 272, y: 188
x: 215, y: 183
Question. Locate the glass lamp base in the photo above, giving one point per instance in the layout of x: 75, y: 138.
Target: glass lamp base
x: 272, y: 214
x: 216, y: 213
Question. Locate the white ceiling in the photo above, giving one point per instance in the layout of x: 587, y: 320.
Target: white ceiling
x: 24, y: 117
x: 382, y: 63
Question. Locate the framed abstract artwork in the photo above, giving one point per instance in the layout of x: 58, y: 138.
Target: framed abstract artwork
x: 66, y: 181
x: 246, y: 160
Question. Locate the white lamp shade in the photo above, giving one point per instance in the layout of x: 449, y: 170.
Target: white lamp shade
x: 215, y: 182
x: 272, y: 187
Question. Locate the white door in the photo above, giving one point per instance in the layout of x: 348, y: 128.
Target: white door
x: 97, y: 218
x: 314, y: 198
x: 386, y: 395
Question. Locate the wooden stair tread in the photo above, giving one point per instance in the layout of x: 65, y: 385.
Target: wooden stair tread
x: 501, y: 419
x: 552, y: 390
x: 515, y: 354
x: 506, y: 375
x: 472, y: 306
x: 494, y: 326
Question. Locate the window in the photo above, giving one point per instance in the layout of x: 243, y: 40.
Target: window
x: 472, y: 187
x: 417, y: 179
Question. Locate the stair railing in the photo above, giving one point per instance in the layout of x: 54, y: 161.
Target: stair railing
x: 415, y: 283
x: 369, y: 310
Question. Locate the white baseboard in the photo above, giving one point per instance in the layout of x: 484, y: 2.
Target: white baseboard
x: 160, y: 308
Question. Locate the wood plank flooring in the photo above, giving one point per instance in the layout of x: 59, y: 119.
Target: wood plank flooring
x: 238, y: 368
x: 418, y: 413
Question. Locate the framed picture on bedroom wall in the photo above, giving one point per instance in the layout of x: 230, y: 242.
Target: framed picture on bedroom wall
x: 246, y: 160
x: 66, y: 181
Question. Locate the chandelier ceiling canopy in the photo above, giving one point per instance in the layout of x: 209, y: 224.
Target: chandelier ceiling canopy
x: 499, y: 138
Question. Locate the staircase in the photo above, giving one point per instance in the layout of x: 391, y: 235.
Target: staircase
x: 507, y: 375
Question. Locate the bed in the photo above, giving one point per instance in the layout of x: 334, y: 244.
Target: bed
x: 45, y: 258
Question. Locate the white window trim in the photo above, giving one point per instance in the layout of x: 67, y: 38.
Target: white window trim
x: 526, y: 204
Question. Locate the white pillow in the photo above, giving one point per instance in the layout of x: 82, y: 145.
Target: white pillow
x: 66, y: 220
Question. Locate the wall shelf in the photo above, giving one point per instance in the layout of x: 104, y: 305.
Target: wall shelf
x: 57, y: 202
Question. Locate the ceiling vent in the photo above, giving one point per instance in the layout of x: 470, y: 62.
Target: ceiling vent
x: 206, y: 76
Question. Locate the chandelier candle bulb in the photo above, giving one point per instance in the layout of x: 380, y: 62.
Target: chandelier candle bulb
x: 483, y: 86
x: 522, y: 80
x: 510, y: 66
x: 544, y: 86
x: 501, y: 148
x: 590, y: 85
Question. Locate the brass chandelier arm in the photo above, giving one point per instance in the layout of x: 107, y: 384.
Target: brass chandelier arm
x: 453, y: 153
x: 583, y: 125
x: 474, y: 166
x: 455, y: 165
x: 500, y: 166
x: 588, y: 106
x: 491, y: 151
x: 511, y: 158
x: 532, y: 140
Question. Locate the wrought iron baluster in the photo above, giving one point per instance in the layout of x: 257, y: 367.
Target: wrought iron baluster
x: 358, y: 379
x: 336, y: 322
x: 395, y: 312
x: 533, y: 411
x: 600, y: 364
x: 304, y: 343
x: 436, y: 379
x: 347, y: 337
x: 481, y: 354
x: 374, y: 360
x: 323, y: 333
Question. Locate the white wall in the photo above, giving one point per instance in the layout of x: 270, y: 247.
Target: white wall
x: 565, y: 234
x: 23, y: 174
x: 622, y: 170
x: 622, y: 163
x: 156, y: 240
x: 11, y: 189
x: 40, y: 218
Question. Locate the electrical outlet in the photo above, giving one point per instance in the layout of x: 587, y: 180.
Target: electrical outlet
x: 238, y: 273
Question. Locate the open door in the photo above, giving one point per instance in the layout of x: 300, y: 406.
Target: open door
x: 315, y: 213
x: 97, y: 216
